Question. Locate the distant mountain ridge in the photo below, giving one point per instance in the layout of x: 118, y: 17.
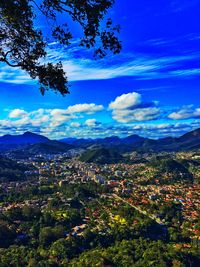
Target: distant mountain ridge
x: 123, y: 144
x: 50, y: 147
x: 26, y: 138
x: 30, y: 144
x: 37, y: 143
x: 188, y: 141
x: 101, y: 152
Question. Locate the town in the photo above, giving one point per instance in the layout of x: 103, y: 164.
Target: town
x: 86, y: 202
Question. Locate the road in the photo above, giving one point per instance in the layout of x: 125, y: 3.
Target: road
x: 152, y: 217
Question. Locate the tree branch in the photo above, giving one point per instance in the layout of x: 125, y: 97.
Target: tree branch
x: 39, y: 7
x: 9, y: 64
x: 4, y: 59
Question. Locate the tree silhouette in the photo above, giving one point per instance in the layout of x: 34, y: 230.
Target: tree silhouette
x: 23, y: 45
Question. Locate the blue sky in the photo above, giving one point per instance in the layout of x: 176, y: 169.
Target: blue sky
x: 151, y: 88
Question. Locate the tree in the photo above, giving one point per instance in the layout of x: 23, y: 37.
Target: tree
x: 7, y: 235
x: 48, y: 234
x: 60, y: 249
x: 22, y: 44
x: 30, y: 213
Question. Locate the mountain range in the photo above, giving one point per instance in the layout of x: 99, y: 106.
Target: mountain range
x: 50, y: 147
x: 24, y: 139
x: 29, y: 144
x: 188, y: 141
x: 32, y: 143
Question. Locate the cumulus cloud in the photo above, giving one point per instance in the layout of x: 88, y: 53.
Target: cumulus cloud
x: 84, y: 108
x: 159, y: 130
x: 131, y: 113
x: 141, y: 114
x: 125, y: 101
x: 78, y: 108
x: 187, y: 112
x: 75, y: 124
x: 17, y: 113
x: 130, y: 107
x: 40, y: 120
x: 54, y: 124
x: 59, y: 117
x: 91, y: 122
x: 149, y: 130
x: 49, y: 119
x: 22, y: 122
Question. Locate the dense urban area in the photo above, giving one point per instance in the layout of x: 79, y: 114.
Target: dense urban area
x: 63, y: 210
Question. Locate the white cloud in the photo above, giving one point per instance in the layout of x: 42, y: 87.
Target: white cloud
x: 22, y: 122
x: 50, y: 119
x: 187, y: 73
x: 56, y: 124
x: 14, y: 75
x: 84, y: 108
x: 40, y: 120
x: 5, y: 123
x: 140, y: 114
x: 91, y: 122
x: 59, y: 117
x: 57, y: 112
x: 17, y: 113
x: 75, y: 124
x: 130, y: 107
x: 187, y: 112
x: 58, y: 120
x: 140, y: 66
x: 126, y: 101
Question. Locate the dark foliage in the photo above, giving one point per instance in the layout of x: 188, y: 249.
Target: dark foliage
x: 101, y: 156
x: 11, y: 170
x: 22, y: 45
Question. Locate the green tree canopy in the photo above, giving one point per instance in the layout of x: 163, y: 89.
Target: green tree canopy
x: 23, y: 45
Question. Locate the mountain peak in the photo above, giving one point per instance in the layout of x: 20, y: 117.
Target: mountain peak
x: 26, y: 138
x: 30, y: 134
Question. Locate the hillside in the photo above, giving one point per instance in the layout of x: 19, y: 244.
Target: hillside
x: 26, y: 138
x: 9, y: 142
x: 189, y: 141
x: 50, y: 147
x: 10, y: 170
x: 170, y: 169
x: 113, y: 142
x: 101, y: 156
x: 34, y: 143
